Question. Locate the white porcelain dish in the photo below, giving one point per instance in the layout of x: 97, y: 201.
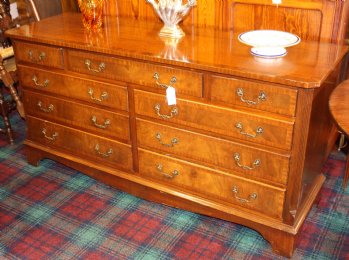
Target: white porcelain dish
x: 269, y: 43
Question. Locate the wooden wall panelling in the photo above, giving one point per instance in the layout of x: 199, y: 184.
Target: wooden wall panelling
x: 69, y: 6
x: 207, y: 14
x: 250, y: 16
x: 325, y: 20
x: 343, y: 32
x: 310, y: 19
x: 137, y: 9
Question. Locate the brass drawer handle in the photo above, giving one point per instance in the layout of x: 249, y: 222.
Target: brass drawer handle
x: 261, y: 97
x: 173, y: 141
x: 171, y: 175
x: 104, y: 95
x: 40, y: 58
x: 174, y: 112
x: 101, y: 66
x: 103, y: 126
x: 51, y: 138
x: 251, y: 197
x: 259, y: 130
x: 49, y: 109
x: 255, y: 164
x: 43, y: 85
x: 162, y: 85
x: 107, y: 154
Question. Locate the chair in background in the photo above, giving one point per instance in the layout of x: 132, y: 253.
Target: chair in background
x: 8, y: 75
x: 41, y: 9
x: 8, y: 79
x: 5, y: 105
x: 5, y: 22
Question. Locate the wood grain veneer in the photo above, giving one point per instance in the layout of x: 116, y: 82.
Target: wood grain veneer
x: 272, y: 183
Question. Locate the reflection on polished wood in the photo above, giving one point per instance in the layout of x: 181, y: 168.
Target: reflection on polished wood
x: 255, y: 131
x: 339, y: 107
x: 219, y: 51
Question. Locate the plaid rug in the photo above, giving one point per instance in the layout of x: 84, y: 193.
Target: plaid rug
x: 54, y: 212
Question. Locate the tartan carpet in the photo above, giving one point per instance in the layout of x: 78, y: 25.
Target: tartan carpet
x: 54, y: 212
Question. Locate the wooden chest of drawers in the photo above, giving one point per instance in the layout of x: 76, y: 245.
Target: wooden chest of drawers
x: 244, y: 142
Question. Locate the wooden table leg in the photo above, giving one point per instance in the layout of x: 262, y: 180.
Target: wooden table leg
x: 4, y: 114
x: 346, y: 174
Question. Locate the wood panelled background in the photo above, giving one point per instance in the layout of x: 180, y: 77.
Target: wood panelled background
x: 325, y: 20
x: 310, y: 19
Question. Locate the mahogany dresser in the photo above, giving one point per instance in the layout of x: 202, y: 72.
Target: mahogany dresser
x: 245, y: 141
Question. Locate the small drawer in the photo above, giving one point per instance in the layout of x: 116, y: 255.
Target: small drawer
x: 259, y: 96
x: 255, y: 128
x: 96, y: 149
x: 249, y: 162
x: 94, y: 92
x: 184, y: 81
x: 39, y: 54
x: 99, y: 121
x: 212, y: 184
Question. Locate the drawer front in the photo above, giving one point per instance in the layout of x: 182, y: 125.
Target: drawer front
x: 246, y: 126
x: 99, y: 121
x: 39, y: 54
x: 253, y: 95
x: 94, y: 92
x: 213, y: 185
x: 247, y: 161
x: 186, y: 82
x: 98, y: 150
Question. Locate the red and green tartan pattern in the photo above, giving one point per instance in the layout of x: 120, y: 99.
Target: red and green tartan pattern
x: 54, y: 212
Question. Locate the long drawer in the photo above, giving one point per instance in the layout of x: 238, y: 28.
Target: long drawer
x: 212, y: 184
x: 94, y: 92
x: 39, y: 54
x: 99, y: 121
x: 271, y: 131
x: 243, y: 160
x: 98, y: 150
x: 261, y: 96
x: 185, y: 82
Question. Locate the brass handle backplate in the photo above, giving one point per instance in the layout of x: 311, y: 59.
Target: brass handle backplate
x: 171, y: 175
x: 171, y: 144
x: 259, y: 130
x: 40, y: 58
x: 100, y: 68
x: 255, y: 164
x: 251, y: 197
x: 51, y: 138
x: 106, y: 154
x: 104, y: 95
x: 49, y: 109
x: 103, y: 126
x: 162, y: 85
x: 173, y: 112
x: 261, y: 97
x: 43, y: 85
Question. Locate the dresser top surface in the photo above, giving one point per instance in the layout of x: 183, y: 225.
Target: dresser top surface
x: 305, y: 65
